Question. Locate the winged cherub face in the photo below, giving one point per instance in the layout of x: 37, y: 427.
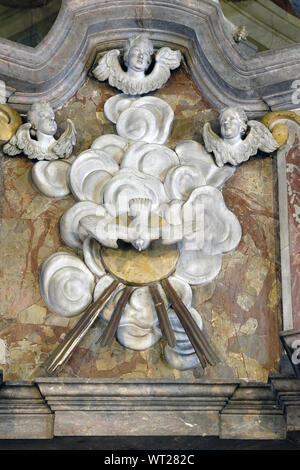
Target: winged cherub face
x: 46, y: 123
x: 42, y: 118
x: 139, y: 58
x: 138, y: 51
x: 230, y: 125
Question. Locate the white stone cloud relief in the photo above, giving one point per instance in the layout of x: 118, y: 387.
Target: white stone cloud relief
x: 176, y: 185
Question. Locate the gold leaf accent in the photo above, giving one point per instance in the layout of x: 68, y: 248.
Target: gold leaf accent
x: 10, y: 121
x: 279, y: 130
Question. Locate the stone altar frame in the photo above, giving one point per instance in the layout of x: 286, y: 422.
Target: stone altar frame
x: 237, y: 409
x: 57, y: 67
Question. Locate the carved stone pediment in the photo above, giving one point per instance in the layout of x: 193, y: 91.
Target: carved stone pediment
x: 221, y: 72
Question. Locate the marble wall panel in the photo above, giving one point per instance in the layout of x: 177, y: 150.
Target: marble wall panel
x: 240, y: 309
x: 293, y: 188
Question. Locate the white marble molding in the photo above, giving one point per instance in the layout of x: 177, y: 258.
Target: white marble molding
x: 51, y: 178
x: 192, y: 153
x: 89, y: 173
x: 71, y: 231
x: 151, y: 159
x: 198, y: 268
x: 220, y: 229
x: 182, y: 356
x: 114, y: 106
x: 92, y: 257
x: 129, y: 184
x: 138, y: 328
x: 66, y: 284
x: 111, y: 144
x: 148, y: 119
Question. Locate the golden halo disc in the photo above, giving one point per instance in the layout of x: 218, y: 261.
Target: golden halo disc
x: 140, y: 268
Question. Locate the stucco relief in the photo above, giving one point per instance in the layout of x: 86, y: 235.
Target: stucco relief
x: 137, y: 57
x: 36, y: 137
x: 133, y: 173
x: 235, y: 145
x: 145, y: 182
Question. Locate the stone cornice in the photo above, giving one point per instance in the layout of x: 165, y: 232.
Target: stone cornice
x: 287, y: 390
x: 24, y: 413
x: 56, y: 68
x: 230, y: 409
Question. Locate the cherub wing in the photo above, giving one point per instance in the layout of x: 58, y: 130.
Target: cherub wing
x: 22, y: 142
x: 106, y: 64
x: 261, y: 138
x: 63, y: 147
x: 165, y: 60
x: 11, y: 147
x: 214, y: 143
x: 168, y: 58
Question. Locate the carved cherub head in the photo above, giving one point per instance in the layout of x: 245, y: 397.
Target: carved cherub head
x: 42, y: 118
x: 234, y: 146
x: 138, y: 52
x: 35, y: 138
x: 233, y: 122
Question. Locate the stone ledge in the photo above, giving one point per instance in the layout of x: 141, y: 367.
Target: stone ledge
x: 287, y: 390
x: 253, y: 413
x: 135, y: 407
x: 24, y: 413
x: 52, y: 407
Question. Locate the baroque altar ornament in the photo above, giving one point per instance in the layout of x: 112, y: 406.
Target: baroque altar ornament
x: 235, y: 145
x: 149, y: 221
x: 137, y: 57
x: 10, y: 121
x: 36, y: 137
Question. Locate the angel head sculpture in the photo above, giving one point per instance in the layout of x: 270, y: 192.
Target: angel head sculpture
x: 233, y: 124
x: 137, y: 56
x: 240, y: 139
x: 42, y: 119
x: 138, y: 52
x: 36, y: 137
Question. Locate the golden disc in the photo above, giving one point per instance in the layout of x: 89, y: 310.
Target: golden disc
x: 140, y: 268
x: 280, y: 133
x: 10, y: 121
